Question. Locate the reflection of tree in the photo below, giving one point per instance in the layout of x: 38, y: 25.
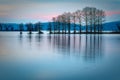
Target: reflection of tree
x: 29, y: 38
x: 61, y: 42
x: 93, y: 46
x: 20, y: 38
x: 49, y: 38
x: 80, y: 44
x: 74, y: 45
x: 68, y: 44
x: 38, y: 37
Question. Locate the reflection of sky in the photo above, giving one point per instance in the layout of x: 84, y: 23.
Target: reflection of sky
x: 44, y: 10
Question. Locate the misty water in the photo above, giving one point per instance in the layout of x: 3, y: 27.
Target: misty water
x: 59, y: 56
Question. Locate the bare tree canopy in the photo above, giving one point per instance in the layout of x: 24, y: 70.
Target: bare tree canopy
x: 91, y: 17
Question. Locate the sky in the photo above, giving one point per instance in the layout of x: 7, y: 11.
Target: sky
x: 23, y: 11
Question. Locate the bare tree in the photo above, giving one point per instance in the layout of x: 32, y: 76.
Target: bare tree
x: 64, y: 19
x: 58, y: 22
x: 50, y: 27
x: 29, y: 27
x: 54, y: 24
x: 91, y: 19
x: 21, y: 27
x: 74, y: 21
x: 85, y: 12
x: 94, y: 19
x: 79, y: 17
x: 68, y: 19
x: 102, y: 19
x: 39, y: 27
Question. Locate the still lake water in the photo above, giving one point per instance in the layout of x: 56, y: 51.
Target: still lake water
x: 59, y: 57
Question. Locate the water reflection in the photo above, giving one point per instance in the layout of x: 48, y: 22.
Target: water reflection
x: 70, y: 58
x: 20, y: 38
x: 93, y: 47
x: 29, y: 37
x: 89, y: 46
x: 39, y: 40
x: 38, y: 37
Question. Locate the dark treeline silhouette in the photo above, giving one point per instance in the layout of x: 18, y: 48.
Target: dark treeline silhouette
x: 31, y: 27
x: 38, y: 27
x: 6, y: 27
x: 90, y: 17
x: 22, y: 27
x: 50, y: 28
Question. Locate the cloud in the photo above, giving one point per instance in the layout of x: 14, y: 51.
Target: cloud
x: 111, y: 13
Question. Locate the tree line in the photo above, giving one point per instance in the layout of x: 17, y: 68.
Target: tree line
x: 22, y: 27
x: 31, y: 27
x: 5, y: 27
x: 90, y: 18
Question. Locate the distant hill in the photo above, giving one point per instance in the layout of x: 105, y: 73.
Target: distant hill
x: 109, y: 26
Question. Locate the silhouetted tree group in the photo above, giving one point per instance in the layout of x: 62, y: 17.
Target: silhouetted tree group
x: 6, y: 27
x: 89, y: 18
x: 31, y: 27
x: 38, y: 26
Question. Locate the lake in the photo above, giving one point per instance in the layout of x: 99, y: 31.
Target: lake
x: 59, y: 56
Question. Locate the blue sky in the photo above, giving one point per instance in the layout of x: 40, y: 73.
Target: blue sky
x: 17, y: 11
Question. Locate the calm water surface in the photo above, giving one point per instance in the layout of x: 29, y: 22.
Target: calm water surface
x: 59, y: 57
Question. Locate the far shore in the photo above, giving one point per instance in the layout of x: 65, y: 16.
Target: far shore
x: 105, y: 32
